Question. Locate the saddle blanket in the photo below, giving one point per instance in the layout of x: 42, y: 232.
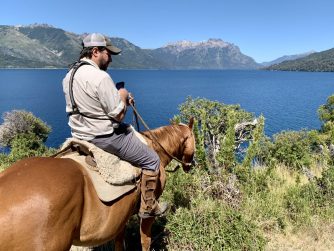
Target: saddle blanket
x: 111, y: 177
x: 106, y: 192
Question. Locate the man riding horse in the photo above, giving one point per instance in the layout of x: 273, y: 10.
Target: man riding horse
x: 97, y: 107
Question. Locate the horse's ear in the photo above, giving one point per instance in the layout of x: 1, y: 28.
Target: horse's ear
x: 191, y: 123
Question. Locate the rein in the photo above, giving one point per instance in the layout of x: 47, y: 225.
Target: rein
x: 157, y: 141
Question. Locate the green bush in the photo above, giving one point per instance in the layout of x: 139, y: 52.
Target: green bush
x: 300, y: 204
x: 21, y: 122
x: 25, y: 134
x: 292, y: 148
x: 27, y: 145
x: 326, y: 111
x: 326, y: 186
x: 264, y: 154
x: 326, y: 115
x: 4, y: 162
x: 262, y: 200
x: 328, y: 129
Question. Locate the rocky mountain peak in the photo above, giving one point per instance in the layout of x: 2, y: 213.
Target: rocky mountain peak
x: 185, y: 44
x: 214, y: 42
x: 35, y: 25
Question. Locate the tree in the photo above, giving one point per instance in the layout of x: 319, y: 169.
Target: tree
x: 221, y: 131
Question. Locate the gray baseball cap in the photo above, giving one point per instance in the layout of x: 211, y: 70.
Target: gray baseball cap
x: 97, y: 39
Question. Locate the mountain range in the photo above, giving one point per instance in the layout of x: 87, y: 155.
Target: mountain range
x: 45, y: 46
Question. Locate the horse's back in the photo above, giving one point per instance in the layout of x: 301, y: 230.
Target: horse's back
x: 40, y: 197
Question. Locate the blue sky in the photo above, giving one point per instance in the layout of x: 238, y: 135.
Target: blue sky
x: 263, y: 29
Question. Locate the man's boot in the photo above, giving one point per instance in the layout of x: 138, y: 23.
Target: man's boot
x: 149, y: 206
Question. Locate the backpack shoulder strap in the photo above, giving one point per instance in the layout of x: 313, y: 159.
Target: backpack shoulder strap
x: 75, y: 67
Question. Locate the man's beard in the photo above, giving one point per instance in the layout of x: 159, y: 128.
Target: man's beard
x: 104, y: 66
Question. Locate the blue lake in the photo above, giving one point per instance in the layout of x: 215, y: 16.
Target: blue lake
x: 288, y: 100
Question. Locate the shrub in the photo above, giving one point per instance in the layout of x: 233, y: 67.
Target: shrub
x: 264, y: 154
x: 326, y: 186
x: 4, y: 162
x: 326, y: 111
x: 21, y: 122
x: 25, y: 135
x: 26, y: 145
x: 292, y: 149
x: 300, y: 203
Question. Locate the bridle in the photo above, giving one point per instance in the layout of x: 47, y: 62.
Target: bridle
x: 185, y: 164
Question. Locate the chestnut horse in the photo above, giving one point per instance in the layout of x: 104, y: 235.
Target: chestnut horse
x: 50, y: 203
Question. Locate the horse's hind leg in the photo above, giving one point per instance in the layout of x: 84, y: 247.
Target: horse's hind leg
x: 145, y: 233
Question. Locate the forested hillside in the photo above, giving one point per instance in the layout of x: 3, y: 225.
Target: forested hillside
x: 320, y: 61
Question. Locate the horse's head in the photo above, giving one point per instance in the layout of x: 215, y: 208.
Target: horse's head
x: 188, y: 147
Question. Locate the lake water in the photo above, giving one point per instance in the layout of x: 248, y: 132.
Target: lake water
x: 288, y: 100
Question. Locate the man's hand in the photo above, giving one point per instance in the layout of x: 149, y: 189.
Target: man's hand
x: 130, y: 99
x: 124, y: 94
